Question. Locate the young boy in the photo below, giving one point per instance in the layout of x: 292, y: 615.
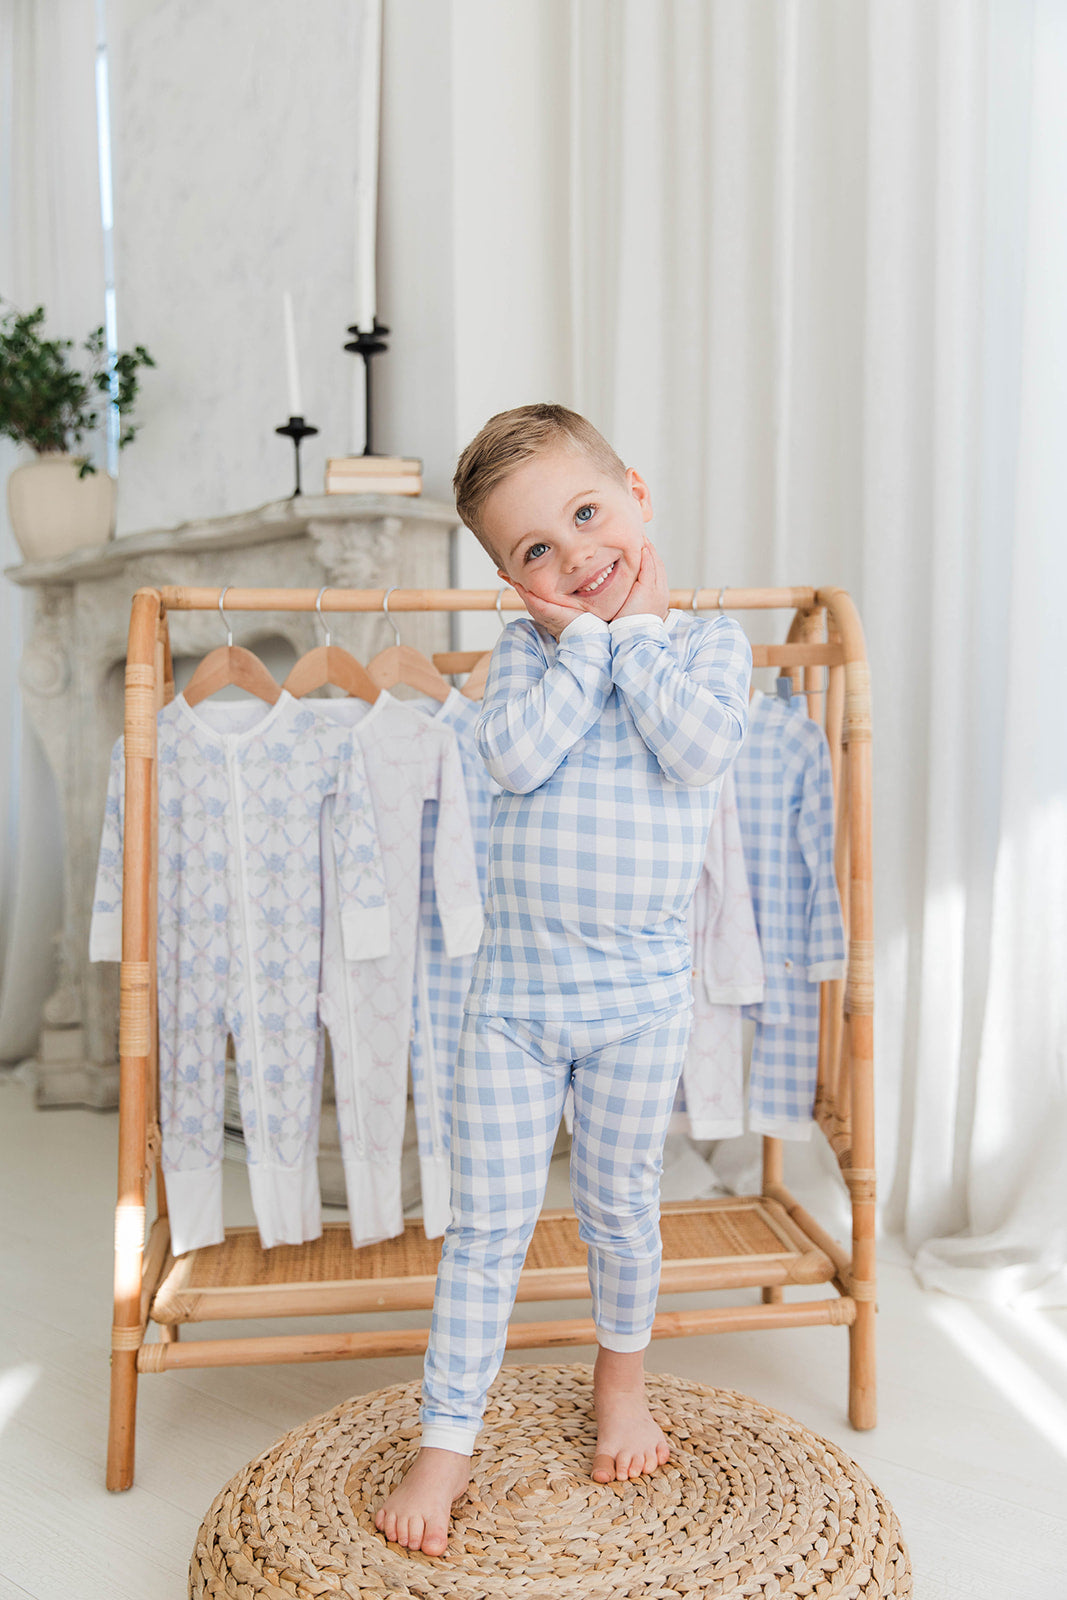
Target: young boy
x: 609, y: 722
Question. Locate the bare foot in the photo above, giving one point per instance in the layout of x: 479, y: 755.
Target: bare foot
x: 417, y: 1512
x: 629, y: 1441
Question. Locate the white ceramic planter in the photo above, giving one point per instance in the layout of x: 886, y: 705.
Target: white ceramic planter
x: 53, y: 511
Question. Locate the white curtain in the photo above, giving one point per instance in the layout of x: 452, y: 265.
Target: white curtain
x: 51, y: 254
x: 804, y: 265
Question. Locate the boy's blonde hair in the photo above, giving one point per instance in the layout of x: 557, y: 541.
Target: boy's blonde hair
x: 512, y: 438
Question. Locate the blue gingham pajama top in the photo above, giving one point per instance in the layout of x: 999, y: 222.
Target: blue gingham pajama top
x: 609, y: 746
x: 785, y: 801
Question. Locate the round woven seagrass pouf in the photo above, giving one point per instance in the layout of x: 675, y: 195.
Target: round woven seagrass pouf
x: 750, y: 1503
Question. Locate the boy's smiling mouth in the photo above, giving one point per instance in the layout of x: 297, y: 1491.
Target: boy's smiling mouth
x: 599, y: 580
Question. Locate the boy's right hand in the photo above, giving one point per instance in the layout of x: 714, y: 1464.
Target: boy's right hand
x: 551, y: 617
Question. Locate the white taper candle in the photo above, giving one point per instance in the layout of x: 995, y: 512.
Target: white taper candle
x: 295, y: 407
x: 370, y: 68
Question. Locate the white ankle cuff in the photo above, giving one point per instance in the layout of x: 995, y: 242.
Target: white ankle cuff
x: 446, y: 1436
x: 623, y: 1343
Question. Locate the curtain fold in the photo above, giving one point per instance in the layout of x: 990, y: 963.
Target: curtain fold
x: 805, y: 296
x: 51, y: 253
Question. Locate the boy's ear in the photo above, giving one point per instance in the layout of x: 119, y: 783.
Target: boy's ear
x: 640, y: 491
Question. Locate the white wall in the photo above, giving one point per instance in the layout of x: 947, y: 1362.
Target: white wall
x: 235, y: 161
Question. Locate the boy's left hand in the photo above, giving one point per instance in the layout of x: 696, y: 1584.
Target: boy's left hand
x: 650, y: 593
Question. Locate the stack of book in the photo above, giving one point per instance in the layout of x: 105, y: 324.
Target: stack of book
x: 373, y: 475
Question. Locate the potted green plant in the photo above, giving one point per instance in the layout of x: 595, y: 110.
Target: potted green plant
x: 59, y: 502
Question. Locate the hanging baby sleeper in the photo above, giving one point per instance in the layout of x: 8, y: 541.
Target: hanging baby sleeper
x: 239, y: 933
x: 727, y: 974
x: 367, y: 1005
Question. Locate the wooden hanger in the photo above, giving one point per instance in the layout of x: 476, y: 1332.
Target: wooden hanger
x: 402, y: 663
x: 329, y: 664
x: 474, y: 687
x: 230, y: 665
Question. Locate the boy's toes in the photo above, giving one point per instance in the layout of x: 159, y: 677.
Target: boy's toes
x: 435, y: 1540
x: 663, y: 1453
x: 603, y: 1469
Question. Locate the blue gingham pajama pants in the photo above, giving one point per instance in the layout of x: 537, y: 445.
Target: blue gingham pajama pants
x: 512, y: 1075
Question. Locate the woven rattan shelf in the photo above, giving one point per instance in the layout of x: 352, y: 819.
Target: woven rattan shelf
x: 727, y: 1244
x: 764, y: 1242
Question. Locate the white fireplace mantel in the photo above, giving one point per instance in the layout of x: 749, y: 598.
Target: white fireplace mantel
x: 72, y: 674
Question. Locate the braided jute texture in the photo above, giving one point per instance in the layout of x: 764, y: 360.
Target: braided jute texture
x: 750, y: 1503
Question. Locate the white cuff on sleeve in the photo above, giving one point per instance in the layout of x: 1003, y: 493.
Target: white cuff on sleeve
x: 638, y: 623
x: 822, y: 971
x: 780, y: 1127
x: 585, y: 624
x: 105, y: 936
x: 732, y: 994
x: 462, y: 929
x: 366, y: 932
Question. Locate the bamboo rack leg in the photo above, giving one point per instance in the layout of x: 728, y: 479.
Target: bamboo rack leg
x: 859, y: 1007
x: 134, y: 1034
x: 164, y: 695
x: 862, y: 1405
x: 773, y: 1175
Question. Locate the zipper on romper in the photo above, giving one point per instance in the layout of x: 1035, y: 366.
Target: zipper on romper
x: 357, y: 1064
x: 253, y: 1015
x: 355, y: 1060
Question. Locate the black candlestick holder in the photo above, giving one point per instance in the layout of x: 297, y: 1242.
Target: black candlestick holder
x: 296, y: 429
x: 367, y: 344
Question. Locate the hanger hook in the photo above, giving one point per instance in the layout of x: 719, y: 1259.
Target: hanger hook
x: 222, y: 614
x: 693, y: 602
x: 719, y: 600
x: 322, y: 619
x: 500, y: 596
x: 385, y: 608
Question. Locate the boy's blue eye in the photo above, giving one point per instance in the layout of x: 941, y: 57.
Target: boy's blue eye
x: 580, y: 517
x: 533, y: 550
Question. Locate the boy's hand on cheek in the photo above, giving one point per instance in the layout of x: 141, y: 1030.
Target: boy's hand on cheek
x: 650, y: 594
x: 552, y: 617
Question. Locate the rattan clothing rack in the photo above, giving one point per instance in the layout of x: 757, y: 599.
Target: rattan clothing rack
x: 765, y: 1241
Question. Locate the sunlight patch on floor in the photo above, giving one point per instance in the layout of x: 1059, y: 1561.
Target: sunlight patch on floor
x: 15, y: 1386
x: 1006, y: 1370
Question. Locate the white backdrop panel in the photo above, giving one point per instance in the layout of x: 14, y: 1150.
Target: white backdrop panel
x: 236, y: 163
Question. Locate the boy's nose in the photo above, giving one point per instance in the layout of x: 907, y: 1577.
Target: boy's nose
x: 579, y: 554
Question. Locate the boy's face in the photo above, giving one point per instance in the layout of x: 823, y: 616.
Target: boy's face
x: 568, y: 532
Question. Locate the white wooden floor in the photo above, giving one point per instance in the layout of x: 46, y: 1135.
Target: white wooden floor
x: 971, y: 1446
